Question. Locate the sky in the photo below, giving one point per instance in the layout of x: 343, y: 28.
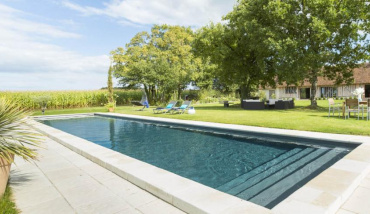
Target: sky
x: 65, y: 44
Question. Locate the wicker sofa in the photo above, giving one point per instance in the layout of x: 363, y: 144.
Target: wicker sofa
x: 284, y: 104
x: 253, y: 105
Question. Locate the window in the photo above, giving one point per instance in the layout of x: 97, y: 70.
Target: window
x: 329, y: 92
x: 290, y: 90
x: 367, y: 91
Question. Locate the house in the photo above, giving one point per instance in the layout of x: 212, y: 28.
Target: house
x: 325, y: 87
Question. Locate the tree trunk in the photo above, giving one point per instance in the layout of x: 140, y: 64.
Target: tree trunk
x: 179, y: 92
x: 313, y: 82
x: 244, y: 92
x: 148, y: 93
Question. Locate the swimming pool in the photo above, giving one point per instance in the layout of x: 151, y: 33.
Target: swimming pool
x: 258, y: 170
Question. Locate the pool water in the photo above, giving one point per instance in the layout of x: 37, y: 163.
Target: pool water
x: 256, y: 170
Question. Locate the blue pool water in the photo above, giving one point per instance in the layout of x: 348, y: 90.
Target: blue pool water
x: 252, y: 169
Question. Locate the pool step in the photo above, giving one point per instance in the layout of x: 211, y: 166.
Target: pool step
x: 270, y: 176
x: 251, y: 188
x: 286, y: 183
x: 242, y: 182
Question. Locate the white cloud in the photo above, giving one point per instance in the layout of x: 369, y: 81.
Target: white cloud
x: 30, y: 61
x: 186, y: 12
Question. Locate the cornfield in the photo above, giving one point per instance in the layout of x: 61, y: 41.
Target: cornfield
x: 70, y: 99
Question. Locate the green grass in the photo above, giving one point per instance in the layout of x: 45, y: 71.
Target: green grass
x: 299, y: 118
x: 6, y: 204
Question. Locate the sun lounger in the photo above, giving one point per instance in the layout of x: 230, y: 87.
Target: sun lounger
x: 165, y: 109
x: 185, y: 106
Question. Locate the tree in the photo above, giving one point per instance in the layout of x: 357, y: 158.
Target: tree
x: 162, y: 61
x: 110, y: 86
x: 239, y: 52
x: 313, y: 38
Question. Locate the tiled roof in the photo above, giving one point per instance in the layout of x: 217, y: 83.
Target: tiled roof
x: 361, y: 75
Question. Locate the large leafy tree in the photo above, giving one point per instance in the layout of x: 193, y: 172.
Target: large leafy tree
x: 239, y: 52
x: 162, y: 61
x: 313, y: 38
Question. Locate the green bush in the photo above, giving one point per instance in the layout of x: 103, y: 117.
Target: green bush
x: 207, y: 96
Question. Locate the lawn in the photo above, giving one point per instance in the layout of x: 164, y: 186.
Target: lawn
x: 6, y: 203
x: 299, y: 118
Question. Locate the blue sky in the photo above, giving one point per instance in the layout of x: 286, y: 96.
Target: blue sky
x: 65, y: 44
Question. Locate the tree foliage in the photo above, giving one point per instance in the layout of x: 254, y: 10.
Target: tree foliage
x: 263, y: 42
x: 241, y: 56
x: 110, y: 86
x: 162, y: 61
x: 313, y: 38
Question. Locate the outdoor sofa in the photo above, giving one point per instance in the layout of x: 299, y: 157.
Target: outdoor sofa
x: 253, y: 105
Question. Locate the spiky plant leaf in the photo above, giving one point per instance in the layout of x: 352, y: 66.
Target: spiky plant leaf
x: 16, y: 137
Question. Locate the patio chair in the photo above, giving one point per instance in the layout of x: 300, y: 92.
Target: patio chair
x: 165, y: 109
x: 143, y: 102
x: 185, y: 106
x: 352, y: 106
x: 334, y: 106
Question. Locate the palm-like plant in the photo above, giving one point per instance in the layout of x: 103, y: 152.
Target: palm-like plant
x: 16, y: 137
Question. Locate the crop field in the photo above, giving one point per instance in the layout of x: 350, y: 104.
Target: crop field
x: 69, y: 99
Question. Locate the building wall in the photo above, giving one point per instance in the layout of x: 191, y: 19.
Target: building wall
x: 342, y: 91
x: 281, y: 94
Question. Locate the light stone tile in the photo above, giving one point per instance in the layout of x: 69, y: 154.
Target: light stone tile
x: 333, y: 181
x: 306, y: 194
x: 93, y: 169
x: 359, y: 201
x: 55, y: 206
x: 351, y: 165
x: 121, y: 187
x: 325, y: 200
x: 53, y: 165
x: 74, y: 182
x: 130, y: 210
x: 106, y: 205
x: 342, y: 211
x: 140, y: 198
x: 204, y: 198
x: 86, y: 194
x: 246, y: 207
x: 366, y: 182
x: 359, y: 154
x: 295, y: 207
x: 32, y: 198
x: 101, y: 177
x: 63, y: 173
x: 159, y: 207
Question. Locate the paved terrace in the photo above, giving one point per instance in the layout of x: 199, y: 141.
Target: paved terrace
x: 63, y: 181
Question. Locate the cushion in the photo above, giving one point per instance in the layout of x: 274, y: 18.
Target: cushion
x: 183, y: 106
x: 169, y: 106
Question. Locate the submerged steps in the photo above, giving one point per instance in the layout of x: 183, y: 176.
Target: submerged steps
x: 244, y: 177
x: 268, y: 183
x: 270, y: 196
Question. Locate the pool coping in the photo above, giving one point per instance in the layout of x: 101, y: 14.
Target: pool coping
x: 323, y: 194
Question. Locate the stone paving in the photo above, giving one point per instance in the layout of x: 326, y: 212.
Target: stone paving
x: 62, y: 181
x: 359, y: 202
